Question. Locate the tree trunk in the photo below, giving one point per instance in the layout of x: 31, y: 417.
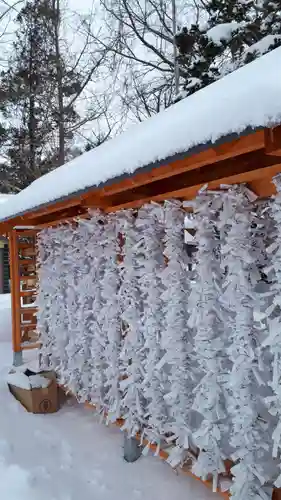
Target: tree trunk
x: 61, y: 127
x: 31, y: 114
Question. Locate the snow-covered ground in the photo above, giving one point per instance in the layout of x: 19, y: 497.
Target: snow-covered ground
x: 69, y: 456
x: 5, y: 318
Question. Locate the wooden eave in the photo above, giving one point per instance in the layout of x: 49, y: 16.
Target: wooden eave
x: 252, y: 159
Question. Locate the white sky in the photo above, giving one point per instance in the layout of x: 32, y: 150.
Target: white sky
x: 81, y: 4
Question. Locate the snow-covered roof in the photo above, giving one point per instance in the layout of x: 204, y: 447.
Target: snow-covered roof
x: 247, y: 98
x: 5, y: 197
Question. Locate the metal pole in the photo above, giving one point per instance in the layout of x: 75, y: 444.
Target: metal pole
x: 132, y: 449
x: 177, y: 74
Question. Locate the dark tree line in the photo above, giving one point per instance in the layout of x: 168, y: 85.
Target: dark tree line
x: 39, y: 96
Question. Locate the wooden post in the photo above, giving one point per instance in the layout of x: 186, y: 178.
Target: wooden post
x: 15, y: 296
x: 276, y: 494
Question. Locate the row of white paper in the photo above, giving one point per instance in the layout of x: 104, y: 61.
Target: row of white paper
x: 184, y: 345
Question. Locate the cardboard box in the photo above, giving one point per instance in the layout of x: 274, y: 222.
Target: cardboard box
x: 35, y: 399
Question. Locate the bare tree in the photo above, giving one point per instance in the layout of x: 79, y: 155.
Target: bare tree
x: 138, y: 37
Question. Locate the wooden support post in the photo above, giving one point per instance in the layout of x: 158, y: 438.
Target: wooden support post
x: 15, y: 295
x: 276, y: 494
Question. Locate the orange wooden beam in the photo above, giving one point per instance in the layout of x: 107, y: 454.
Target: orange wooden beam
x: 263, y: 187
x: 235, y: 173
x: 26, y: 233
x: 60, y: 216
x: 237, y: 147
x: 273, y: 140
x: 97, y: 196
x: 54, y: 207
x: 29, y: 346
x: 15, y: 290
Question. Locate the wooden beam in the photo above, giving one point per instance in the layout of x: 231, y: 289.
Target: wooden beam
x: 100, y: 197
x: 273, y: 140
x: 60, y: 216
x: 27, y: 262
x: 28, y: 346
x: 243, y: 169
x: 66, y: 220
x: 94, y: 201
x: 27, y: 328
x: 15, y: 291
x: 30, y: 268
x: 27, y: 233
x: 27, y: 293
x: 54, y: 207
x: 5, y: 228
x: 29, y: 310
x: 276, y: 494
x: 237, y: 147
x: 23, y: 244
x: 25, y: 279
x: 263, y: 187
x: 29, y: 219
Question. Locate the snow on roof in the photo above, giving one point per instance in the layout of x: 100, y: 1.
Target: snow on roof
x: 247, y: 98
x: 5, y: 197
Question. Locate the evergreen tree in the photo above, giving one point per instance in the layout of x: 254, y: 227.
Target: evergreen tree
x: 36, y: 95
x: 236, y: 32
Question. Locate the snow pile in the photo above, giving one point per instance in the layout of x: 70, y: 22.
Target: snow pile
x: 20, y: 379
x: 247, y: 98
x: 6, y: 319
x: 223, y: 31
x: 16, y: 484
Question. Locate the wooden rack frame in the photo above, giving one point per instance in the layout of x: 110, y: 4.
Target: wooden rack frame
x: 23, y: 291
